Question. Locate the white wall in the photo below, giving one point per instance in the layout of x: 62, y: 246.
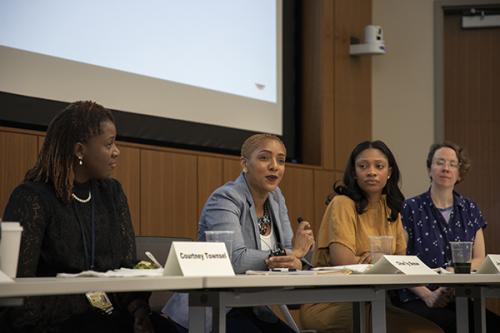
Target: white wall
x: 403, y: 86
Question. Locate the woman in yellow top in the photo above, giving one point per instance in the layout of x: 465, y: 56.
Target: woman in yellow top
x: 368, y: 203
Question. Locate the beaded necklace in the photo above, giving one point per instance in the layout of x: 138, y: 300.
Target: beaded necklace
x: 264, y: 222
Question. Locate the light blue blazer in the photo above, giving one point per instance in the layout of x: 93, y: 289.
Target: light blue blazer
x: 231, y: 207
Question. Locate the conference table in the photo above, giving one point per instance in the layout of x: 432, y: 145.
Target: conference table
x: 22, y: 287
x: 219, y: 292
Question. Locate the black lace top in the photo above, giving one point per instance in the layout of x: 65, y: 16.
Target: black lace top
x: 53, y: 242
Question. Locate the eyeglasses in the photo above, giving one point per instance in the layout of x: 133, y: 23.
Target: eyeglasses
x: 442, y: 162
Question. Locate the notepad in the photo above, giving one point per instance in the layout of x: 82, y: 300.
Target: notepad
x: 122, y: 272
x: 388, y: 264
x: 354, y: 269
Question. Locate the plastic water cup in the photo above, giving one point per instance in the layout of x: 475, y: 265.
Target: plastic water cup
x: 380, y: 246
x: 461, y: 256
x: 225, y: 236
x: 9, y: 247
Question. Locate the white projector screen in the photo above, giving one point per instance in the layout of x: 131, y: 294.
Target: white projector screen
x: 212, y: 62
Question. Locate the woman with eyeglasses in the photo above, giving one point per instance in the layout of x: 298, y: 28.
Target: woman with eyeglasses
x: 432, y: 220
x: 253, y: 207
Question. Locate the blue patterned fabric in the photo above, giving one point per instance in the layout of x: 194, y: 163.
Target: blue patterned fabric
x: 429, y: 234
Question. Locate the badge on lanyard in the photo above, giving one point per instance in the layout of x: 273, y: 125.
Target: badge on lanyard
x: 99, y: 299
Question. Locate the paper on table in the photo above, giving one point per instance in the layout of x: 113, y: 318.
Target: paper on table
x: 355, y: 269
x: 387, y: 265
x: 299, y: 272
x: 122, y: 272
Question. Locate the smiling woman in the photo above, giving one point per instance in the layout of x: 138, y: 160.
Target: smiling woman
x: 75, y: 218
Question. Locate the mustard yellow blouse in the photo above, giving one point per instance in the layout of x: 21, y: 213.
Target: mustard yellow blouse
x: 343, y: 225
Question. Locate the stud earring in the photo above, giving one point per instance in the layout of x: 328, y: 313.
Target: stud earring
x: 80, y: 160
x: 245, y: 170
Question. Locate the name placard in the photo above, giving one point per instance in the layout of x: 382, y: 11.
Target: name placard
x: 198, y: 259
x: 490, y: 264
x: 409, y: 265
x: 5, y: 278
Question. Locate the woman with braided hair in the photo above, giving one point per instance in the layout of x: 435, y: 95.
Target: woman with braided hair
x: 75, y: 218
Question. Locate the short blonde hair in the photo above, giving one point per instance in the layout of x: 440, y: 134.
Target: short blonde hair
x: 251, y: 143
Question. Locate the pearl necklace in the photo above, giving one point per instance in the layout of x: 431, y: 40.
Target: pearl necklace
x: 82, y: 200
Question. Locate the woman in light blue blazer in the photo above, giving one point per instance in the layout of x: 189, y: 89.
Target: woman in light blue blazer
x: 254, y: 208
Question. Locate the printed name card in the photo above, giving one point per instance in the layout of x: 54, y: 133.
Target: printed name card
x: 198, y: 259
x: 409, y: 265
x: 5, y: 278
x: 490, y: 264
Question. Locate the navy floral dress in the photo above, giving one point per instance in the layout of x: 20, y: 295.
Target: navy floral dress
x: 429, y: 234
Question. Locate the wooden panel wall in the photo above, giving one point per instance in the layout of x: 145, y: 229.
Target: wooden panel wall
x: 352, y: 83
x: 128, y: 173
x: 472, y: 116
x: 18, y: 153
x: 316, y: 84
x: 169, y: 200
x: 298, y: 189
x: 210, y: 177
x: 335, y: 87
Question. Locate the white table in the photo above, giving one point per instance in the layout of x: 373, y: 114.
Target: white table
x: 222, y: 292
x: 242, y: 290
x: 60, y: 286
x: 11, y: 293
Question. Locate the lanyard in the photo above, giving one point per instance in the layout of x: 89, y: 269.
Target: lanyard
x: 89, y: 257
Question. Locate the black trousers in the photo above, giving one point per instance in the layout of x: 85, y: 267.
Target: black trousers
x: 446, y: 317
x: 93, y: 322
x: 244, y: 320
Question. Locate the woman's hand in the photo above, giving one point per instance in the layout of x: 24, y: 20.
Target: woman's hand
x: 438, y: 298
x: 288, y: 261
x: 303, y: 241
x: 365, y: 258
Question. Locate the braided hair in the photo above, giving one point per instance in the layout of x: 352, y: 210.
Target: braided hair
x: 77, y: 123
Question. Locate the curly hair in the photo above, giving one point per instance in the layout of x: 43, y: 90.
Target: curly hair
x: 463, y: 159
x: 350, y: 187
x: 78, y: 122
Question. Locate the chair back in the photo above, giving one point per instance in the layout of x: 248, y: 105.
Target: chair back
x: 159, y: 247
